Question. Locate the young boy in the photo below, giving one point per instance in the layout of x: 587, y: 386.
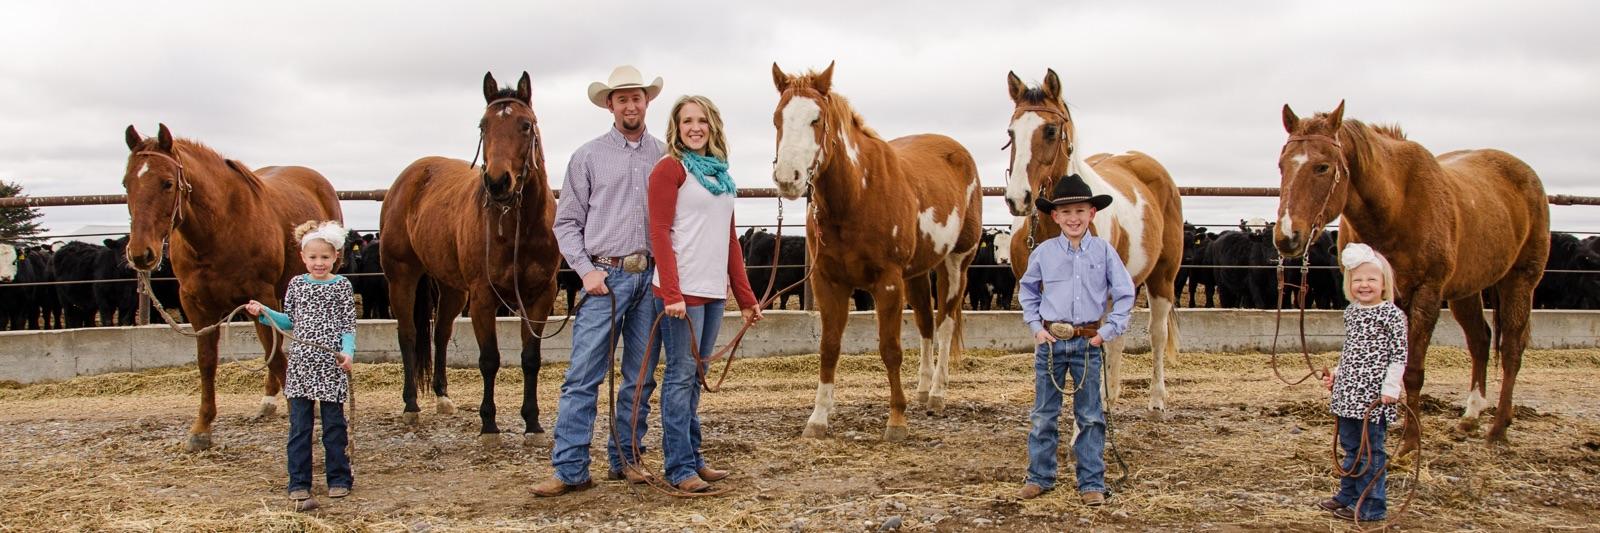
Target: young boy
x: 1064, y: 294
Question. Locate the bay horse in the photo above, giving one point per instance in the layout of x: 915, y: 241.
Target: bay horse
x: 1452, y: 227
x: 1144, y: 222
x: 185, y: 194
x: 455, y: 234
x: 884, y: 216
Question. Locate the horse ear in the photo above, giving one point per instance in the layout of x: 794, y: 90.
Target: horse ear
x: 779, y: 79
x: 132, y: 136
x: 825, y: 80
x: 525, y: 89
x: 1336, y: 118
x: 1015, y: 86
x: 1290, y: 120
x: 490, y: 87
x: 164, y: 139
x: 1052, y: 84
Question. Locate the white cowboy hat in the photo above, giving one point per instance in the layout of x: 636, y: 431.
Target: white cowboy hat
x: 624, y: 77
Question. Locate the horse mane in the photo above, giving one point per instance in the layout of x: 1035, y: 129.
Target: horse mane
x: 1365, y: 139
x: 836, y: 105
x: 506, y: 92
x: 208, y: 156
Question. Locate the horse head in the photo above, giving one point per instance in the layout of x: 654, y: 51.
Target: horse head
x: 1041, y: 137
x: 804, y: 123
x: 1315, y: 179
x: 509, y: 131
x: 157, y: 190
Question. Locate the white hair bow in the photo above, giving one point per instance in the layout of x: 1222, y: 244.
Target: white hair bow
x: 331, y: 232
x: 1355, y: 254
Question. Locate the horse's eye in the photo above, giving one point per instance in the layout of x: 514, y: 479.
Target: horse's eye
x: 1050, y: 132
x: 1321, y: 168
x: 527, y: 127
x: 166, y: 185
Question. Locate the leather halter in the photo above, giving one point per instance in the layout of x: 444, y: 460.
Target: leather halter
x: 183, y: 188
x: 528, y: 165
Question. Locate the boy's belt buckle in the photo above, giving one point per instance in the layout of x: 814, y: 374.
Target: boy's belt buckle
x: 1063, y: 330
x: 635, y: 263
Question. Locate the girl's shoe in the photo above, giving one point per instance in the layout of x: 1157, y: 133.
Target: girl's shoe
x: 1330, y: 505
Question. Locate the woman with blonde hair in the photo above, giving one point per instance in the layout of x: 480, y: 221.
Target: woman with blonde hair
x: 698, y: 260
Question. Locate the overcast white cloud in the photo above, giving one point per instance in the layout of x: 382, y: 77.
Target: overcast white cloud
x: 358, y: 90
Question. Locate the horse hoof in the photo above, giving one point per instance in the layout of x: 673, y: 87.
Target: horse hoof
x: 1497, y: 440
x: 1158, y: 405
x: 935, y: 406
x: 922, y: 398
x: 306, y: 505
x: 409, y: 418
x: 538, y: 440
x: 445, y: 406
x: 1467, y: 425
x: 199, y: 442
x: 894, y: 433
x: 815, y: 431
x: 269, y: 407
x: 489, y: 440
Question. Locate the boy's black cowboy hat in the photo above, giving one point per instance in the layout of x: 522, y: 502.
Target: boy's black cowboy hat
x: 1071, y: 189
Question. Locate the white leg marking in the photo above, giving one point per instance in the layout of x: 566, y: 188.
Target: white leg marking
x: 823, y: 408
x: 1475, y: 403
x: 925, y: 366
x: 1159, y: 317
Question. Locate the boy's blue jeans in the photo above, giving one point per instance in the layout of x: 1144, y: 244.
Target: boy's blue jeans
x: 1375, y: 506
x: 636, y: 311
x: 336, y: 462
x: 1083, y: 361
x: 680, y: 388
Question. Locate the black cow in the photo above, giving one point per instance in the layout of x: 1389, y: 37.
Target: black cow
x: 76, y: 262
x: 990, y: 282
x: 1193, y: 273
x: 1562, y: 290
x: 570, y: 282
x: 1234, y: 255
x: 20, y: 306
x: 758, y: 250
x: 116, y: 302
x: 44, y: 296
x: 370, y: 283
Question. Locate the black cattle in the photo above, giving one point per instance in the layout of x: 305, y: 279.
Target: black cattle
x: 116, y: 302
x: 569, y: 282
x: 1233, y: 256
x: 758, y: 251
x: 1565, y: 290
x: 21, y: 307
x: 1194, y: 273
x: 44, y: 296
x: 76, y: 262
x: 369, y: 281
x: 1327, y: 283
x: 990, y: 282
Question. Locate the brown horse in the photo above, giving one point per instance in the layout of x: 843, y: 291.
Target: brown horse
x: 458, y: 235
x: 1452, y: 227
x: 183, y: 191
x: 884, y: 215
x: 1144, y: 221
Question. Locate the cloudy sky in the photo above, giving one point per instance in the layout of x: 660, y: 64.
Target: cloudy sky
x: 358, y: 90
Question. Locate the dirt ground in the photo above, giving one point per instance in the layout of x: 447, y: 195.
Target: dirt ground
x: 1235, y: 451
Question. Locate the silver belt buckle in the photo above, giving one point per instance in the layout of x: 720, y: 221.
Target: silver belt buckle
x: 635, y: 263
x: 1063, y: 331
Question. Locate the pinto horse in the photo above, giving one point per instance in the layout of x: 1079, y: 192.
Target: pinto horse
x: 183, y: 192
x: 1144, y: 222
x: 457, y: 234
x: 884, y: 215
x: 1452, y: 227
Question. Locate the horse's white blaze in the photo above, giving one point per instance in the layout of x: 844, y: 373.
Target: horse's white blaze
x: 798, y: 147
x: 1475, y: 403
x: 1002, y: 248
x: 8, y: 262
x: 142, y: 169
x: 823, y: 408
x: 1299, y: 160
x: 505, y: 110
x: 1018, y: 184
x: 943, y: 236
x: 889, y: 287
x: 1285, y: 224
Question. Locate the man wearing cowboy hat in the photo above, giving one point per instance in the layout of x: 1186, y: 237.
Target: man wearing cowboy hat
x: 601, y: 226
x: 1064, y: 293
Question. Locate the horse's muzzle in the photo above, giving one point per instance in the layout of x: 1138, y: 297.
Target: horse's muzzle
x: 145, y: 260
x: 499, y: 189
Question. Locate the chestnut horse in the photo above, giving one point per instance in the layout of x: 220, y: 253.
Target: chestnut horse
x: 478, y: 236
x: 1452, y: 227
x: 231, y: 233
x: 884, y: 215
x: 1144, y: 222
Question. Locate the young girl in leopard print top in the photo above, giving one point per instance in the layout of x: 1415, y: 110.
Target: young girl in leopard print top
x: 319, y: 307
x: 1370, y: 367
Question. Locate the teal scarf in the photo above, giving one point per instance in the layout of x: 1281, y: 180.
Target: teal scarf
x: 711, y: 171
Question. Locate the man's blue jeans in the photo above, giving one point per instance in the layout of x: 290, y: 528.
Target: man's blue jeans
x: 680, y: 388
x: 336, y: 462
x: 1083, y: 361
x: 592, y: 345
x: 1375, y: 506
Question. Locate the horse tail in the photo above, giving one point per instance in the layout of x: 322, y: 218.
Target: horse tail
x: 422, y: 318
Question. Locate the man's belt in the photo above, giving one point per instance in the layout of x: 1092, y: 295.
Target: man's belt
x: 634, y: 263
x: 1065, y: 330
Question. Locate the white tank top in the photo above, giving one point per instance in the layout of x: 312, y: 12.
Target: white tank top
x: 700, y: 234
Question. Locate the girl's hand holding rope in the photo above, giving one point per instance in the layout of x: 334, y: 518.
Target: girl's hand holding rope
x: 345, y: 361
x: 677, y: 310
x: 254, y: 308
x: 751, y: 315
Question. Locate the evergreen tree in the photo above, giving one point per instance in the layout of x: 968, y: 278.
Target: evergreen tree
x: 17, y: 224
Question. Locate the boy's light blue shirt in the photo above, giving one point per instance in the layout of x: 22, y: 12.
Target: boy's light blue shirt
x: 1063, y: 284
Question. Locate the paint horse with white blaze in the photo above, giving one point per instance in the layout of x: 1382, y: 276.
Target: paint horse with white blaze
x: 884, y: 215
x: 1144, y: 222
